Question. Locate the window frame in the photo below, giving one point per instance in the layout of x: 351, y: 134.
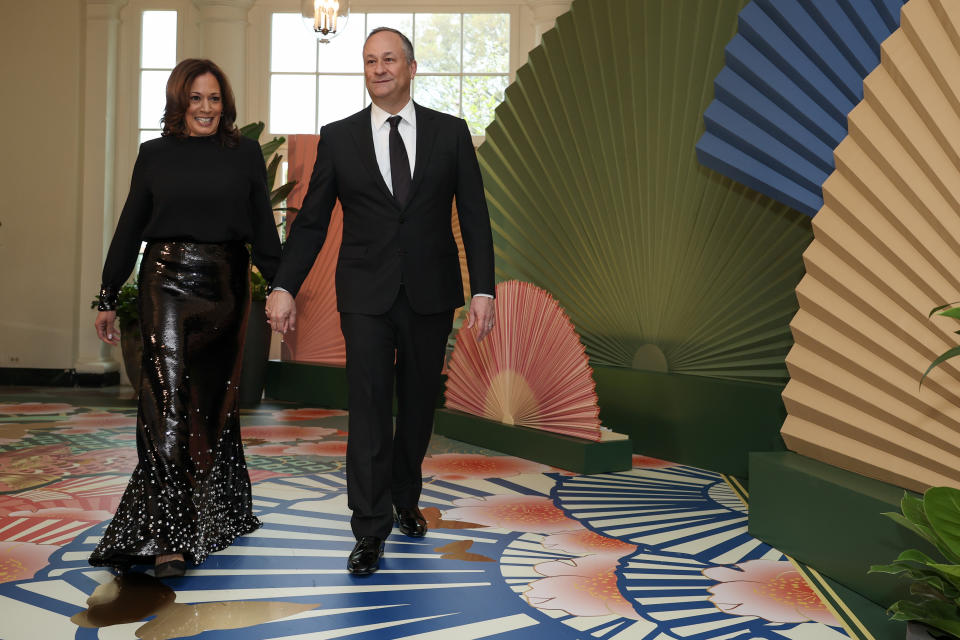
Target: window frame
x: 266, y: 9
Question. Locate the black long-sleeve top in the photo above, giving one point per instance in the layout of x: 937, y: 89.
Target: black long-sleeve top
x: 197, y: 190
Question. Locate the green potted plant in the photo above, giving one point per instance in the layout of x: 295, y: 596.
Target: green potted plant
x: 128, y: 322
x: 935, y: 584
x: 256, y: 351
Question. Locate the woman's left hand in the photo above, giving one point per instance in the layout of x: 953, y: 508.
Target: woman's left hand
x: 107, y: 327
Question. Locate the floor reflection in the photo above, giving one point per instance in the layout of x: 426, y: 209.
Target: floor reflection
x: 132, y: 597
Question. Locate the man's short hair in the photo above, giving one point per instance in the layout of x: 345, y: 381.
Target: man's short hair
x: 407, y: 45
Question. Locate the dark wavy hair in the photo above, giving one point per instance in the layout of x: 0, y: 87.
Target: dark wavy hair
x: 178, y: 99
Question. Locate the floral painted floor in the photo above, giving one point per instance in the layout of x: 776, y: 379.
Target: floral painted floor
x: 516, y: 550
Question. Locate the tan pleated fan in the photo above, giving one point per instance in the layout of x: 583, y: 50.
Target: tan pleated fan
x: 886, y: 251
x: 530, y: 371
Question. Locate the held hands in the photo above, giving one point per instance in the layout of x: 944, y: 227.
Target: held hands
x: 281, y: 311
x: 106, y: 327
x: 482, y: 314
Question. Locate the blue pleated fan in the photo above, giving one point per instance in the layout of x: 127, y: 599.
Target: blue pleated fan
x: 793, y: 72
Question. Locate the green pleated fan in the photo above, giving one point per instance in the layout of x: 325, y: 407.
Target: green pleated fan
x: 596, y: 195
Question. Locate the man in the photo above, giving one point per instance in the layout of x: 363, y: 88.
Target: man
x: 396, y: 168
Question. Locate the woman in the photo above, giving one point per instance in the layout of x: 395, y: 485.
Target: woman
x: 198, y: 194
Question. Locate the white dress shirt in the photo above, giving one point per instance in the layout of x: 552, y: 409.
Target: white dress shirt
x: 381, y: 138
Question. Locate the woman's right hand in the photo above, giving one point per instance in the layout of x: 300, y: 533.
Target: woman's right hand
x: 107, y: 327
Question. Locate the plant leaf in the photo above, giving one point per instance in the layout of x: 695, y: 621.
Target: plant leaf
x: 281, y: 193
x: 922, y: 530
x: 912, y: 555
x: 912, y: 507
x: 268, y: 148
x: 943, y: 306
x: 942, y: 508
x: 946, y: 355
x: 951, y: 313
x: 254, y: 129
x: 272, y: 171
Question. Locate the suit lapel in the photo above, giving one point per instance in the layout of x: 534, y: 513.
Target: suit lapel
x: 363, y: 135
x: 426, y: 135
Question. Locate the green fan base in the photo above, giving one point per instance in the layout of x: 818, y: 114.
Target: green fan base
x: 556, y: 450
x: 831, y: 519
x: 322, y: 385
x: 704, y: 422
x: 309, y: 382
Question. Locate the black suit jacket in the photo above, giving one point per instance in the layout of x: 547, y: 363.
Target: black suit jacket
x: 384, y: 241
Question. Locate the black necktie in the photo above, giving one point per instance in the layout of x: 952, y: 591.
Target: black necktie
x: 399, y: 162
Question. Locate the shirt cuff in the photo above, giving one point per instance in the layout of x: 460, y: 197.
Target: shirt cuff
x: 278, y: 289
x: 481, y: 295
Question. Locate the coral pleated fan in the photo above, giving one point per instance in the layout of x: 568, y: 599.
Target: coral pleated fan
x: 530, y: 371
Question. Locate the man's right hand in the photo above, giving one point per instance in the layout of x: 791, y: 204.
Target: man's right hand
x: 281, y: 311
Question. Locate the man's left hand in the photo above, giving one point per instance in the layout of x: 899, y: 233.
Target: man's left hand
x: 482, y: 315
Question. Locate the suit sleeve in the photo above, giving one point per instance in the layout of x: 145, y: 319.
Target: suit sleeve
x: 309, y: 229
x: 473, y: 215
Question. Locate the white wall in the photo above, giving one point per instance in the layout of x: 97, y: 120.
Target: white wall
x: 40, y: 182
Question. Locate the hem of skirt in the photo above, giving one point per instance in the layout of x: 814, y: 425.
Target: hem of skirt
x: 123, y: 560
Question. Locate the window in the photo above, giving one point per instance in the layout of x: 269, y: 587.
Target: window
x: 463, y: 64
x: 158, y: 56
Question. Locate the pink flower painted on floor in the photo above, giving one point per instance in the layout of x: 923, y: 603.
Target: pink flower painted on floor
x: 95, y: 421
x: 582, y: 587
x: 259, y: 475
x: 532, y: 514
x: 27, y: 468
x: 588, y: 542
x: 288, y: 415
x: 770, y: 589
x: 284, y: 433
x: 644, y: 462
x: 331, y: 448
x: 460, y: 466
x: 21, y: 560
x: 35, y: 408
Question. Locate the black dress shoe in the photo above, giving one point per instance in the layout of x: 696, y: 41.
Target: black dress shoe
x: 365, y: 557
x: 410, y: 521
x: 170, y: 569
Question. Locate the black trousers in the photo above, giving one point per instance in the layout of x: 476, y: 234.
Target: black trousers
x: 383, y: 462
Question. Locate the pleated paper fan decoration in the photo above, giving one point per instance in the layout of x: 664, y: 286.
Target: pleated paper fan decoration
x: 531, y: 370
x: 793, y: 72
x: 596, y: 195
x: 887, y: 250
x: 318, y: 337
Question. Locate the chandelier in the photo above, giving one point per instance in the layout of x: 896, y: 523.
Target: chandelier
x: 325, y: 18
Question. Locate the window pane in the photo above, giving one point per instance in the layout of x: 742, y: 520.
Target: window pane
x: 481, y: 95
x: 293, y: 104
x: 149, y: 134
x: 153, y: 97
x: 343, y: 54
x: 486, y: 42
x: 437, y: 42
x: 158, y: 42
x: 292, y: 45
x: 438, y: 92
x: 402, y: 22
x: 340, y: 96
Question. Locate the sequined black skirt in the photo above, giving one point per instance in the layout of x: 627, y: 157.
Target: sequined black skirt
x: 190, y: 491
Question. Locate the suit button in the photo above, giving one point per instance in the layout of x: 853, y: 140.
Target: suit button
x: 402, y: 219
x: 401, y: 252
